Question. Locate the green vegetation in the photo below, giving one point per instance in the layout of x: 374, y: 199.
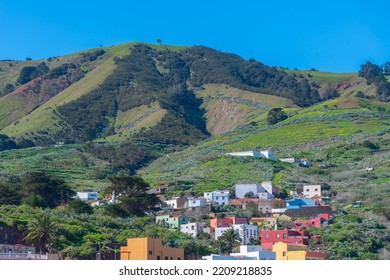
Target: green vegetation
x: 133, y: 200
x: 276, y: 115
x: 374, y: 75
x: 29, y: 73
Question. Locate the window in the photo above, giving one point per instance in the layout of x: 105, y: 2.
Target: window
x: 266, y: 236
x: 316, y: 190
x: 178, y: 258
x: 150, y: 252
x: 277, y: 235
x: 158, y: 258
x: 166, y: 258
x: 307, y: 190
x: 171, y: 258
x: 284, y: 254
x: 284, y: 235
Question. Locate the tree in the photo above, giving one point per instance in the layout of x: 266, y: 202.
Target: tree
x: 386, y: 68
x: 330, y: 93
x: 373, y: 75
x: 7, y: 143
x: 80, y: 207
x: 159, y: 41
x: 131, y: 195
x: 8, y: 195
x: 41, y: 232
x: 228, y: 240
x: 249, y: 195
x: 276, y: 115
x: 42, y: 190
x: 369, y: 71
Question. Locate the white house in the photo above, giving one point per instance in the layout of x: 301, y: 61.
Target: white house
x: 245, y: 154
x: 311, y: 190
x: 268, y: 155
x: 195, y: 202
x: 176, y: 202
x: 265, y: 154
x: 246, y: 232
x: 87, y: 195
x: 263, y: 191
x: 218, y: 197
x: 242, y: 189
x: 269, y: 188
x: 254, y: 252
x: 192, y: 228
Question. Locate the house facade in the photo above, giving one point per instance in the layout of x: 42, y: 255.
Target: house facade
x: 255, y: 252
x: 149, y: 249
x: 312, y: 223
x: 270, y: 237
x: 172, y: 221
x: 297, y: 203
x: 87, y: 195
x: 195, y: 202
x: 176, y: 202
x: 244, y: 203
x: 310, y: 191
x: 226, y: 222
x: 265, y: 222
x: 218, y: 197
x: 286, y: 251
x: 247, y: 232
x: 192, y: 228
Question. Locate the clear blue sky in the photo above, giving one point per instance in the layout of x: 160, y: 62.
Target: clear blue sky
x: 327, y: 35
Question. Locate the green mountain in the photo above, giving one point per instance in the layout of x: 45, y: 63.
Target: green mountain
x: 121, y: 92
x: 143, y: 102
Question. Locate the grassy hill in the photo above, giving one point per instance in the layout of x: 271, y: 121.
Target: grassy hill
x: 329, y: 133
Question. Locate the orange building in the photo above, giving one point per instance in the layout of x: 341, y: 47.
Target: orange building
x: 227, y: 222
x: 286, y: 251
x: 149, y: 249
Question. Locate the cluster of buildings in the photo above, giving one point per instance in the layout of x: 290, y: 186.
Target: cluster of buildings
x: 302, y: 211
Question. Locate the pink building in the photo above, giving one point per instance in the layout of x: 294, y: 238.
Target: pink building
x: 312, y: 223
x: 289, y: 236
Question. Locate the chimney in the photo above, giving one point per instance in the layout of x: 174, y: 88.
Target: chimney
x: 276, y: 226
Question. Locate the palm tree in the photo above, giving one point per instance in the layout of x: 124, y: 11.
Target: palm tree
x: 228, y: 240
x: 41, y: 232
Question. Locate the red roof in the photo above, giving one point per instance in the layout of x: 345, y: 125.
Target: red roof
x: 316, y: 255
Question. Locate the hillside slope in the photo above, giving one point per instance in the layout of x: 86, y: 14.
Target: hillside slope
x: 101, y: 102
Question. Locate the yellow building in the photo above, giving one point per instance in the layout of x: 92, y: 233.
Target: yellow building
x: 264, y: 222
x: 149, y: 249
x: 286, y: 251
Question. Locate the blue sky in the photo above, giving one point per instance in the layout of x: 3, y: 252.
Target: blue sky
x: 328, y: 35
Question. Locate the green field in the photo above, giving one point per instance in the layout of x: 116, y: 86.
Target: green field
x: 80, y: 170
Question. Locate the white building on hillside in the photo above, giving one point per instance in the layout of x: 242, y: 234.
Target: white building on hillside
x: 87, y: 195
x: 263, y: 191
x: 218, y: 197
x: 192, y: 228
x: 246, y: 232
x: 311, y: 190
x: 265, y: 154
